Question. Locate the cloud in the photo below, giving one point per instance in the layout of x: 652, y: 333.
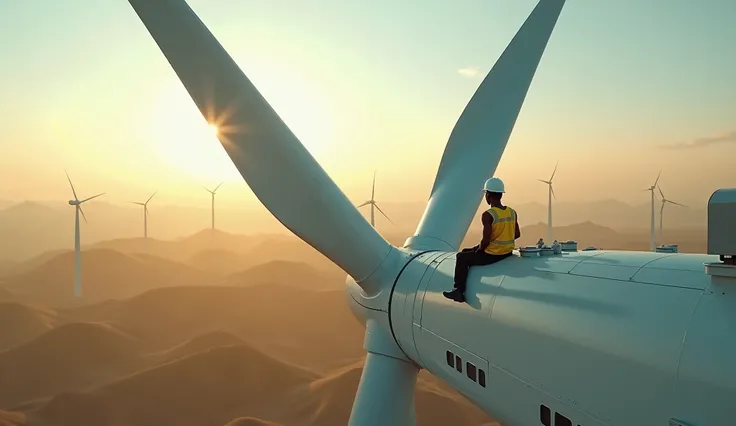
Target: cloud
x: 704, y: 142
x: 469, y: 72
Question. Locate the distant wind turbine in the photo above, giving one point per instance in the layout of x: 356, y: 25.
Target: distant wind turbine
x: 77, y: 254
x: 145, y: 215
x: 652, y: 243
x: 373, y: 204
x: 212, y: 191
x: 551, y: 193
x: 661, y: 211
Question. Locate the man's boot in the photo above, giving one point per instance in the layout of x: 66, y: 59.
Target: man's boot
x: 455, y: 295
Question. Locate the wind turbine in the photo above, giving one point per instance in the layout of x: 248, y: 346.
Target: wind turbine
x: 212, y: 192
x: 661, y: 211
x: 652, y: 242
x: 373, y: 204
x: 145, y: 215
x: 77, y: 203
x: 302, y: 196
x: 550, y: 194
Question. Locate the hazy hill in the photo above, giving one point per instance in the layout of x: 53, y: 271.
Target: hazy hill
x: 250, y: 421
x: 105, y: 274
x: 296, y: 274
x: 309, y: 328
x: 21, y: 323
x: 208, y: 388
x: 67, y: 357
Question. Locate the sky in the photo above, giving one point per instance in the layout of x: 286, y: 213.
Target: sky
x: 625, y: 88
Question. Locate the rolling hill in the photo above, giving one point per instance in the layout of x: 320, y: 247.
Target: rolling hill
x: 22, y: 323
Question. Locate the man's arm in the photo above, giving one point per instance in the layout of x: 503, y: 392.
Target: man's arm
x: 487, y: 220
x: 517, y: 232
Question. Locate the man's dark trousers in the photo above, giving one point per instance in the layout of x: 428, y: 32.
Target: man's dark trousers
x: 470, y: 257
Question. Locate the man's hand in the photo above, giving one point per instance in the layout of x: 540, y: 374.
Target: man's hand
x: 478, y: 249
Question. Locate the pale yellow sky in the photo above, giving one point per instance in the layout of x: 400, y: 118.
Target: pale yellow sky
x: 120, y: 122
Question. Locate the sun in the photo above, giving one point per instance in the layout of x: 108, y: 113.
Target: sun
x: 212, y: 128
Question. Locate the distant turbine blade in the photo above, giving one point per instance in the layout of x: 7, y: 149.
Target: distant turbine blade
x: 149, y: 198
x: 657, y: 180
x: 140, y: 204
x: 384, y: 215
x: 479, y: 138
x: 553, y: 192
x: 660, y: 192
x: 271, y: 159
x: 364, y: 204
x: 94, y: 196
x: 72, y: 185
x: 554, y: 171
x: 79, y: 206
x: 217, y: 187
x: 373, y: 191
x: 677, y: 204
x: 545, y: 181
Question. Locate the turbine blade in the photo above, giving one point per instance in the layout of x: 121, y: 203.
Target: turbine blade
x: 545, y: 181
x: 677, y: 204
x: 554, y: 171
x: 72, y: 185
x: 660, y: 191
x: 373, y: 191
x: 479, y: 138
x: 384, y: 214
x: 94, y: 196
x: 657, y: 180
x: 79, y: 206
x: 364, y: 204
x: 217, y: 187
x: 553, y: 192
x: 140, y: 204
x: 208, y: 190
x: 149, y: 198
x: 274, y: 163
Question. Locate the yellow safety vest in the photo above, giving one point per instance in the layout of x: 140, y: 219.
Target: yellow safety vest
x: 503, y: 230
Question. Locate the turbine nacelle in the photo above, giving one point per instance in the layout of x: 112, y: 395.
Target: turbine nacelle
x: 74, y: 202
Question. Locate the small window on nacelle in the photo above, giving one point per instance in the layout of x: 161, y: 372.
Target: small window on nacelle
x: 561, y: 420
x: 450, y: 359
x: 545, y: 416
x: 458, y: 363
x: 482, y: 378
x: 471, y: 371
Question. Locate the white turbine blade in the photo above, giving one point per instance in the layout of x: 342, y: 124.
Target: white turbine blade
x: 71, y: 184
x: 545, y: 181
x: 554, y: 171
x: 140, y: 204
x: 677, y: 204
x: 79, y: 206
x: 657, y: 180
x: 364, y: 204
x: 149, y: 198
x: 94, y: 196
x: 217, y: 187
x: 551, y: 188
x: 384, y: 214
x: 373, y: 191
x: 660, y: 192
x: 479, y: 138
x: 276, y: 166
x: 208, y: 190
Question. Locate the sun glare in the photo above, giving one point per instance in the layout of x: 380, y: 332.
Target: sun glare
x: 213, y: 129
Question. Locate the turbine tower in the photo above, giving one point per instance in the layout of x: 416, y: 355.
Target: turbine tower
x: 212, y: 192
x: 302, y: 196
x: 373, y: 204
x: 652, y: 242
x: 77, y: 203
x: 145, y: 215
x: 661, y: 211
x: 550, y: 194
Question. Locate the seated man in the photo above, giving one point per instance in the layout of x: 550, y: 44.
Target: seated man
x: 500, y: 230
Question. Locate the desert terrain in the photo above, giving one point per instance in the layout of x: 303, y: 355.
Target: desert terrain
x: 213, y: 329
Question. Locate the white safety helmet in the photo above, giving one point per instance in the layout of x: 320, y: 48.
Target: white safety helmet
x: 494, y: 184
